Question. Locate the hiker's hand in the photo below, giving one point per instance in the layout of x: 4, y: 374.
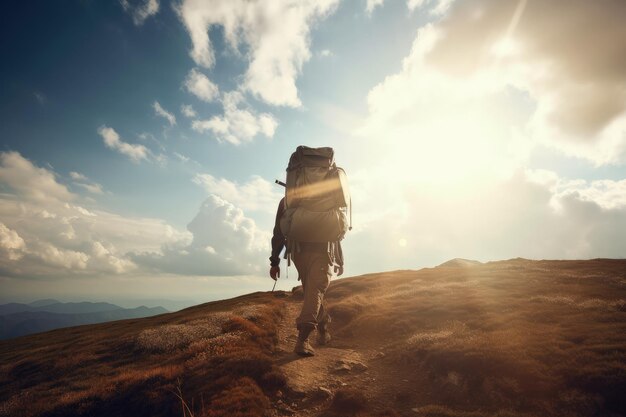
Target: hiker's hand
x: 339, y: 270
x: 275, y: 272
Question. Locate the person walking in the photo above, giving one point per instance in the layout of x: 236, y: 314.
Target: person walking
x: 316, y: 268
x: 311, y: 220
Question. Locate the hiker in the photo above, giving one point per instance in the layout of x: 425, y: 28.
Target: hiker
x: 312, y: 237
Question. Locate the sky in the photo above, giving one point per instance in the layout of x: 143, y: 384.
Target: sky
x: 140, y: 140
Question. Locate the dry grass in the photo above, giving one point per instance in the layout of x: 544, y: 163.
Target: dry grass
x: 506, y: 338
x: 170, y: 337
x: 134, y: 367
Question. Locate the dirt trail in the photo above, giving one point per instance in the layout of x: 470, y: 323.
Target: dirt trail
x: 313, y: 381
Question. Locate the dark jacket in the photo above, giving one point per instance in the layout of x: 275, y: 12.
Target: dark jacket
x: 279, y: 242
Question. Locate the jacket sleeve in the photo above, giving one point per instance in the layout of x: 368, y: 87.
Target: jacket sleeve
x: 278, y: 240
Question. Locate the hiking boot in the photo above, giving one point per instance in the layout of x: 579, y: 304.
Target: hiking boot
x: 304, y: 348
x: 323, y: 335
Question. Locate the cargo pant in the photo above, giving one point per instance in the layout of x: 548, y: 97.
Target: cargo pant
x: 315, y: 270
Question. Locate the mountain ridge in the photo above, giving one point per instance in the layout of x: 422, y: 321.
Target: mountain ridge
x: 505, y: 338
x: 18, y: 319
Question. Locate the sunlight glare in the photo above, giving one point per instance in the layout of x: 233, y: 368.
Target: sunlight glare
x: 505, y: 47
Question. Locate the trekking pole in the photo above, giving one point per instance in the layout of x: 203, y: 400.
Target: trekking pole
x: 275, y: 281
x: 281, y: 183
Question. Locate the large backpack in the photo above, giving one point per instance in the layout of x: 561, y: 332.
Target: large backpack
x: 316, y: 198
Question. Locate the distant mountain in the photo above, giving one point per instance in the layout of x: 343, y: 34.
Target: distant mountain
x: 79, y: 308
x: 11, y: 308
x: 456, y: 262
x: 21, y: 319
x: 46, y: 302
x: 53, y: 306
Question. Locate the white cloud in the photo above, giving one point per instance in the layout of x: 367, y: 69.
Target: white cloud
x: 418, y: 223
x: 442, y: 128
x: 160, y: 111
x: 256, y: 194
x: 225, y: 242
x: 607, y: 194
x: 199, y: 85
x: 437, y: 7
x: 31, y: 182
x: 93, y: 188
x: 112, y: 140
x: 11, y: 244
x: 276, y: 33
x: 187, y: 110
x: 182, y: 157
x: 78, y: 176
x: 448, y: 137
x: 373, y: 4
x: 224, y: 227
x: 56, y: 237
x: 325, y: 53
x: 575, y: 87
x: 53, y: 235
x: 82, y: 181
x: 142, y: 11
x: 480, y: 110
x: 237, y: 125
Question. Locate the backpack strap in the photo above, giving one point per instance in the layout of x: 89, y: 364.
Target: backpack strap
x: 290, y: 248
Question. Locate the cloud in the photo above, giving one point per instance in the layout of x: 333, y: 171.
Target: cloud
x: 187, y: 110
x: 256, y: 194
x: 576, y: 83
x: 182, y: 157
x: 78, y: 176
x: 325, y: 53
x: 225, y: 242
x: 443, y: 128
x: 29, y: 181
x: 11, y: 244
x: 142, y: 11
x: 199, y: 85
x: 57, y: 237
x: 160, y: 111
x: 437, y: 7
x: 237, y: 125
x: 516, y: 84
x: 275, y: 32
x: 607, y: 194
x: 45, y: 232
x: 112, y: 140
x: 82, y: 181
x: 373, y: 4
x: 529, y: 214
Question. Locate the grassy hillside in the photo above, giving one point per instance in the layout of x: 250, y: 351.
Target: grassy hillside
x: 214, y: 355
x: 510, y: 338
x: 518, y: 337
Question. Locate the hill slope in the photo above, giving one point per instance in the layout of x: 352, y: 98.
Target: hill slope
x: 510, y: 338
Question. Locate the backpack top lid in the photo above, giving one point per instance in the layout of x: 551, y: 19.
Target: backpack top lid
x: 311, y: 157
